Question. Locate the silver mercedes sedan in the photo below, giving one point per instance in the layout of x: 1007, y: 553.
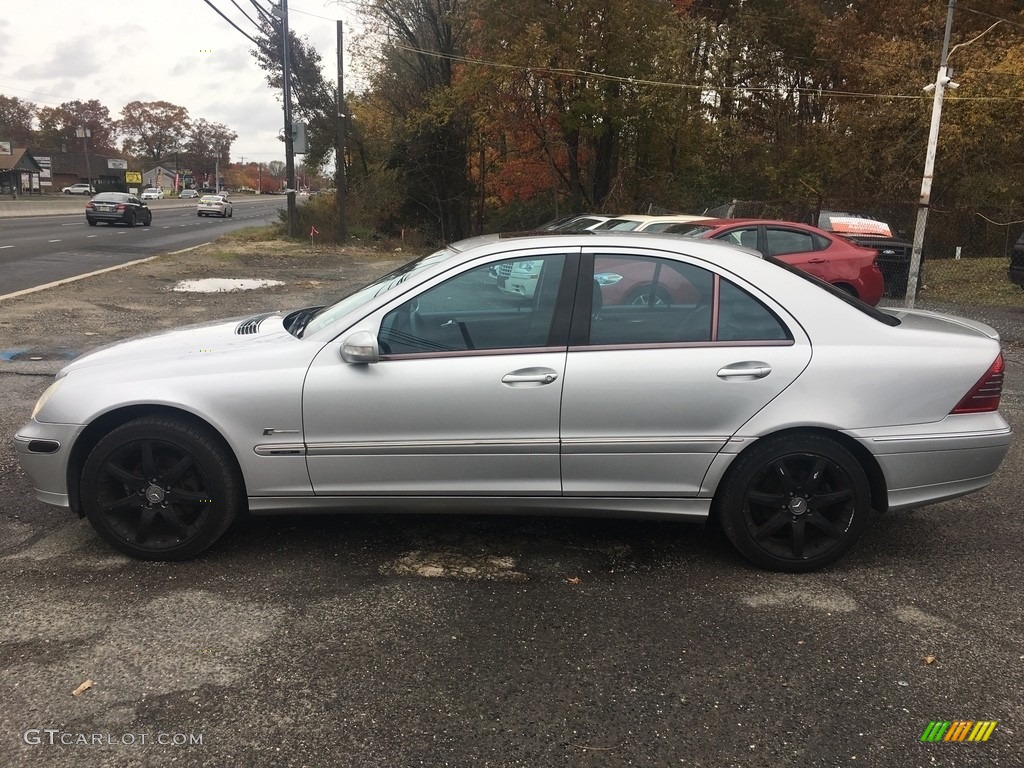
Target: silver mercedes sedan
x: 646, y: 375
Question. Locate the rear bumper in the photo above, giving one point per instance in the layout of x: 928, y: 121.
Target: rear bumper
x: 939, y: 461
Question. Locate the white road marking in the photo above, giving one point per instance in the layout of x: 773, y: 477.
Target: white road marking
x: 5, y: 246
x: 53, y: 241
x: 97, y: 272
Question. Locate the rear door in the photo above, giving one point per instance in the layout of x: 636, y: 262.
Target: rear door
x: 656, y: 386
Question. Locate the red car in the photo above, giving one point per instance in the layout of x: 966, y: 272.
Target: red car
x: 823, y: 254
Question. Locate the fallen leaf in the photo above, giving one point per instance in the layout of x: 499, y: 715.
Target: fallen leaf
x: 575, y: 580
x: 83, y: 688
x: 929, y: 659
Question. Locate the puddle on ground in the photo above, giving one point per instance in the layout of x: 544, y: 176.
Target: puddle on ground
x: 223, y: 285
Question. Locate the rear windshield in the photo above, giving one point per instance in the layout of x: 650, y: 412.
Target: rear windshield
x: 690, y: 230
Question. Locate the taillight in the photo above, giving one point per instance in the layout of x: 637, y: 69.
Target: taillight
x: 121, y: 207
x: 984, y: 396
x: 88, y: 205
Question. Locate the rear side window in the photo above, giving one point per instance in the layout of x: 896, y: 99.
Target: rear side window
x: 782, y: 241
x: 741, y: 317
x: 648, y: 300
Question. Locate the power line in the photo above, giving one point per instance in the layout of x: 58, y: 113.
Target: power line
x: 244, y: 34
x: 591, y: 75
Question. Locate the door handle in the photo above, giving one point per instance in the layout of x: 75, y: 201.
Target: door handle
x: 530, y: 376
x: 749, y: 370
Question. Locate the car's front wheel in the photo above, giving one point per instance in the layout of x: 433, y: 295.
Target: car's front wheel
x: 161, y: 489
x: 794, y: 502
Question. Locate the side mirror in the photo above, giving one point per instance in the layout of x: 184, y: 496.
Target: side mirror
x: 360, y: 347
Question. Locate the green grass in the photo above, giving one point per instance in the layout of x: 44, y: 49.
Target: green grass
x: 977, y: 281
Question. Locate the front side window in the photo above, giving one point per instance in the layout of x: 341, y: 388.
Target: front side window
x: 510, y: 305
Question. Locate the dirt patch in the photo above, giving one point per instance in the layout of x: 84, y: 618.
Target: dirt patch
x: 64, y: 321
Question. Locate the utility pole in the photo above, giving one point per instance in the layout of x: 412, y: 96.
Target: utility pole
x: 942, y: 80
x: 339, y: 147
x: 289, y: 148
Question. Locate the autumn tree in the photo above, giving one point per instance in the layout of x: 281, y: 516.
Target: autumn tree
x: 58, y: 126
x: 207, y: 143
x: 152, y: 129
x: 417, y: 44
x: 16, y: 116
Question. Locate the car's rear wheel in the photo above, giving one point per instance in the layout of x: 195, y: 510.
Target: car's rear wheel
x: 92, y: 222
x: 129, y: 220
x: 794, y: 502
x: 161, y: 489
x: 642, y: 297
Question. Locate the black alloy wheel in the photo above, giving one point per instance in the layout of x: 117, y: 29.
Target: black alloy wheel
x: 161, y: 489
x: 795, y: 503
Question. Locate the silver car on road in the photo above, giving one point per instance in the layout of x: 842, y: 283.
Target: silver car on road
x: 749, y: 394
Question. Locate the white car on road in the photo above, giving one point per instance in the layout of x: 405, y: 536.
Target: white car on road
x: 152, y: 193
x: 214, y: 205
x: 79, y: 189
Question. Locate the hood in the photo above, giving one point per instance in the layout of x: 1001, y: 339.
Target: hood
x: 175, y: 347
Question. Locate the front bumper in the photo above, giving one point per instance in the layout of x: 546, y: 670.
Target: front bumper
x: 44, y: 451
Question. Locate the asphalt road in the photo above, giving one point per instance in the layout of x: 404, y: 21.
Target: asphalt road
x: 391, y: 641
x: 38, y: 250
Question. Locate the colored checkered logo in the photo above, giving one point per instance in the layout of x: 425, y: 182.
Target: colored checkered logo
x: 958, y: 730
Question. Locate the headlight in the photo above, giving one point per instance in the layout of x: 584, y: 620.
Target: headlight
x: 607, y: 278
x: 46, y: 396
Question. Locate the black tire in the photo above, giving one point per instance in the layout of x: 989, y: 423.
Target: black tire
x: 641, y: 296
x: 130, y: 219
x: 148, y: 220
x: 92, y: 223
x: 231, y: 213
x: 160, y: 489
x: 794, y: 503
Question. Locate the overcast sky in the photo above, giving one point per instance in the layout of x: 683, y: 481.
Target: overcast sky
x: 181, y: 51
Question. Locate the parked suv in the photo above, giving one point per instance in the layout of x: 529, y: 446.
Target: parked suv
x: 1016, y: 271
x: 871, y: 232
x: 79, y: 189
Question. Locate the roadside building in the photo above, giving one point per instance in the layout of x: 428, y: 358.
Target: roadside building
x: 20, y: 173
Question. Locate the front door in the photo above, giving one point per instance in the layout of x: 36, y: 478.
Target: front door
x: 466, y: 395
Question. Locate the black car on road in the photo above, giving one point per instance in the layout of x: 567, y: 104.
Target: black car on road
x: 117, y: 208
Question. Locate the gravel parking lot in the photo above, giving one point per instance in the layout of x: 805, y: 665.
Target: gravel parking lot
x: 391, y: 640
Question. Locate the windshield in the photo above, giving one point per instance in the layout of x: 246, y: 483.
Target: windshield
x: 618, y: 225
x: 327, y: 315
